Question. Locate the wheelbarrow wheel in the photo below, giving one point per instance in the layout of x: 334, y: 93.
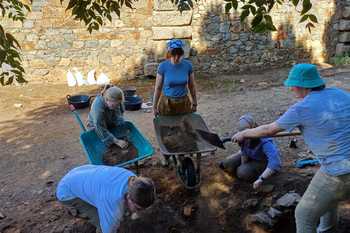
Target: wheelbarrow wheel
x: 188, y: 172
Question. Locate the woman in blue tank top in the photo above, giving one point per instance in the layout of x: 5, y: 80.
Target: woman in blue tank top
x: 175, y: 79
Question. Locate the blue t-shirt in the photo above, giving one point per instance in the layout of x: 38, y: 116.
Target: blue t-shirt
x: 323, y: 117
x: 101, y: 186
x: 266, y: 149
x: 175, y: 77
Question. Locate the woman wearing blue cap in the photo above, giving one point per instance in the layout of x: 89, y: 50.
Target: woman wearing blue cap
x: 323, y: 116
x: 175, y: 79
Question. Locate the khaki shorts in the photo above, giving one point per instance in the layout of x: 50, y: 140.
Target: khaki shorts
x: 168, y: 106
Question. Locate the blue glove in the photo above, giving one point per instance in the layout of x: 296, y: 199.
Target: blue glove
x: 301, y: 163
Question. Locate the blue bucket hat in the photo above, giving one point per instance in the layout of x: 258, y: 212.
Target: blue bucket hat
x: 304, y: 75
x: 174, y: 44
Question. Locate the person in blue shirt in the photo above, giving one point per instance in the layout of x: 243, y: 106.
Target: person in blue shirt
x: 104, y: 194
x: 323, y: 116
x: 106, y: 113
x: 257, y: 160
x: 174, y: 80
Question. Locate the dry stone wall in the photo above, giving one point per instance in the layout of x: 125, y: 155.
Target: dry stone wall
x: 132, y: 46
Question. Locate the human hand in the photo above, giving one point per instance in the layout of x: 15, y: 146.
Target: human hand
x: 257, y: 184
x: 155, y: 111
x: 194, y: 107
x: 121, y: 143
x: 238, y: 137
x: 244, y: 159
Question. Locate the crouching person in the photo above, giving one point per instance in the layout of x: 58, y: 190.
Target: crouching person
x: 257, y: 160
x: 103, y: 194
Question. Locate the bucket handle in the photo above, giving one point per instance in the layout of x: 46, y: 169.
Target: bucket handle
x: 77, y: 117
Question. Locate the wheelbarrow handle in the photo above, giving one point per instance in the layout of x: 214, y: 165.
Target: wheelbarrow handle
x: 77, y: 117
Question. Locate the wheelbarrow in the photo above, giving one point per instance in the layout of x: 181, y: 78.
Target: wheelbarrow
x: 94, y: 148
x: 187, y: 163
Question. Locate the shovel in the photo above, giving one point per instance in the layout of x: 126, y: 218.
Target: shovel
x: 215, y: 140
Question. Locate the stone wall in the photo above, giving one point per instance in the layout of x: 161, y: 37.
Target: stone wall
x: 52, y: 42
x: 343, y: 28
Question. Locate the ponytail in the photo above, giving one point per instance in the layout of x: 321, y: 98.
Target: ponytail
x: 105, y: 88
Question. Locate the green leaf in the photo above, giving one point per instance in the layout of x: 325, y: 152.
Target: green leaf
x: 9, y: 81
x: 257, y: 19
x: 309, y: 26
x: 244, y: 15
x: 228, y: 7
x: 252, y: 9
x: 304, y: 18
x: 71, y: 4
x: 295, y: 2
x: 313, y: 18
x: 109, y: 17
x: 234, y: 4
x: 269, y: 23
x: 306, y: 6
x: 259, y: 28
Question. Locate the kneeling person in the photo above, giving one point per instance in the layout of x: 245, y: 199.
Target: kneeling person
x: 257, y: 160
x: 104, y: 194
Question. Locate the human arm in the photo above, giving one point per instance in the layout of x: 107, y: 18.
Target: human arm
x: 258, y: 132
x: 192, y: 89
x: 110, y: 218
x: 273, y: 165
x: 157, y: 91
x: 98, y: 116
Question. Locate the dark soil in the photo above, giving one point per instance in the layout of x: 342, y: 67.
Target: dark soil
x: 116, y: 155
x: 180, y: 138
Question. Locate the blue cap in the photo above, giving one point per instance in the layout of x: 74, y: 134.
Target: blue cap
x: 174, y: 44
x: 304, y: 75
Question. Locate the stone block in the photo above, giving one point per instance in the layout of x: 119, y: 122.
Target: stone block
x: 346, y: 12
x: 28, y: 24
x: 32, y: 37
x: 166, y: 33
x: 150, y: 69
x: 91, y: 44
x: 344, y: 37
x: 64, y: 62
x: 28, y: 45
x: 171, y: 18
x: 78, y: 44
x: 37, y: 63
x: 344, y: 25
x: 164, y: 5
x: 341, y: 49
x: 288, y: 200
x: 40, y: 72
x: 116, y: 43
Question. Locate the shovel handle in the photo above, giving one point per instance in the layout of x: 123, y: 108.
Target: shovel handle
x: 278, y: 135
x: 286, y: 134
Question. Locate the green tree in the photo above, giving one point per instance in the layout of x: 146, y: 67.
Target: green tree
x: 261, y: 9
x: 94, y: 12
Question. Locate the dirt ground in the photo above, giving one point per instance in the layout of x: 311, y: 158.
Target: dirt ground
x: 39, y: 143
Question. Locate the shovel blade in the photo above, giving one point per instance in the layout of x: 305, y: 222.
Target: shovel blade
x: 211, y: 138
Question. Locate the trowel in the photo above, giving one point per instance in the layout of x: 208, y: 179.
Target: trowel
x: 215, y: 140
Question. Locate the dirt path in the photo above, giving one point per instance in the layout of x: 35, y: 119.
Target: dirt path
x: 39, y: 143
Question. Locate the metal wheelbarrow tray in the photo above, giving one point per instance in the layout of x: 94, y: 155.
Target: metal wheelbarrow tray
x: 188, y: 173
x: 94, y: 148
